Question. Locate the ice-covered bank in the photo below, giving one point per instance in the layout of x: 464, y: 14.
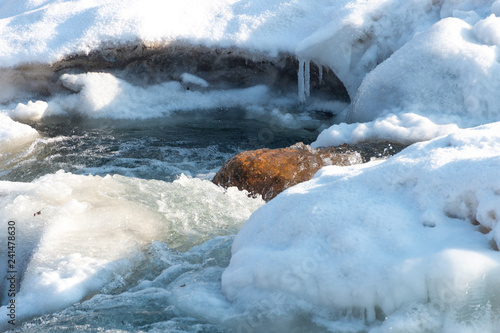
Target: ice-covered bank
x: 81, y: 235
x: 393, y: 241
x: 387, y: 246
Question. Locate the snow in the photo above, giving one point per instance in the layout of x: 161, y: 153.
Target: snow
x: 436, y: 59
x: 390, y: 240
x: 46, y: 31
x: 405, y: 128
x: 363, y: 34
x: 448, y: 73
x: 102, y: 95
x: 383, y: 236
x: 30, y: 111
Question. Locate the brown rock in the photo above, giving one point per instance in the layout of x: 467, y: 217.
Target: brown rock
x: 270, y: 171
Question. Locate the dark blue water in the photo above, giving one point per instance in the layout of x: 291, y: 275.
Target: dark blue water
x: 150, y: 149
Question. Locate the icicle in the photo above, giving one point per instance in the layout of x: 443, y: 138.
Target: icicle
x: 307, y: 78
x: 304, y: 79
x: 302, y: 96
x: 320, y: 69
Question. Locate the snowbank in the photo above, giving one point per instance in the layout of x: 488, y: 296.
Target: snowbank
x: 405, y: 128
x: 442, y: 67
x: 381, y: 238
x: 450, y: 71
x: 102, y: 95
x: 47, y: 30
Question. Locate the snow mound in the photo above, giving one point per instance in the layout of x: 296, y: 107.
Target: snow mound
x: 378, y: 239
x: 443, y: 66
x: 450, y: 71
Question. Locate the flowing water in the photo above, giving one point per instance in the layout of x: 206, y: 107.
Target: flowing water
x: 114, y: 226
x: 160, y: 148
x: 118, y: 228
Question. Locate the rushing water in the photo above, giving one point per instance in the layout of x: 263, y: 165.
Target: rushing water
x: 119, y: 228
x: 161, y: 148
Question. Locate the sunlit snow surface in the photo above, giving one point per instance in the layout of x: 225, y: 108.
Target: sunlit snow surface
x: 377, y: 240
x: 402, y: 245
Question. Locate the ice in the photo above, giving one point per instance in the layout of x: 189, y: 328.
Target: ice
x: 175, y: 292
x: 382, y: 237
x: 30, y: 111
x: 13, y: 133
x: 103, y: 95
x: 307, y: 78
x: 193, y: 79
x: 91, y: 230
x: 301, y: 79
x: 304, y: 79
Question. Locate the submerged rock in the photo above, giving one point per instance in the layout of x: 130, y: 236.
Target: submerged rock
x: 268, y: 172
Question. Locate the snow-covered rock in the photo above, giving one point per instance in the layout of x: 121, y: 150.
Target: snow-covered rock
x: 377, y: 239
